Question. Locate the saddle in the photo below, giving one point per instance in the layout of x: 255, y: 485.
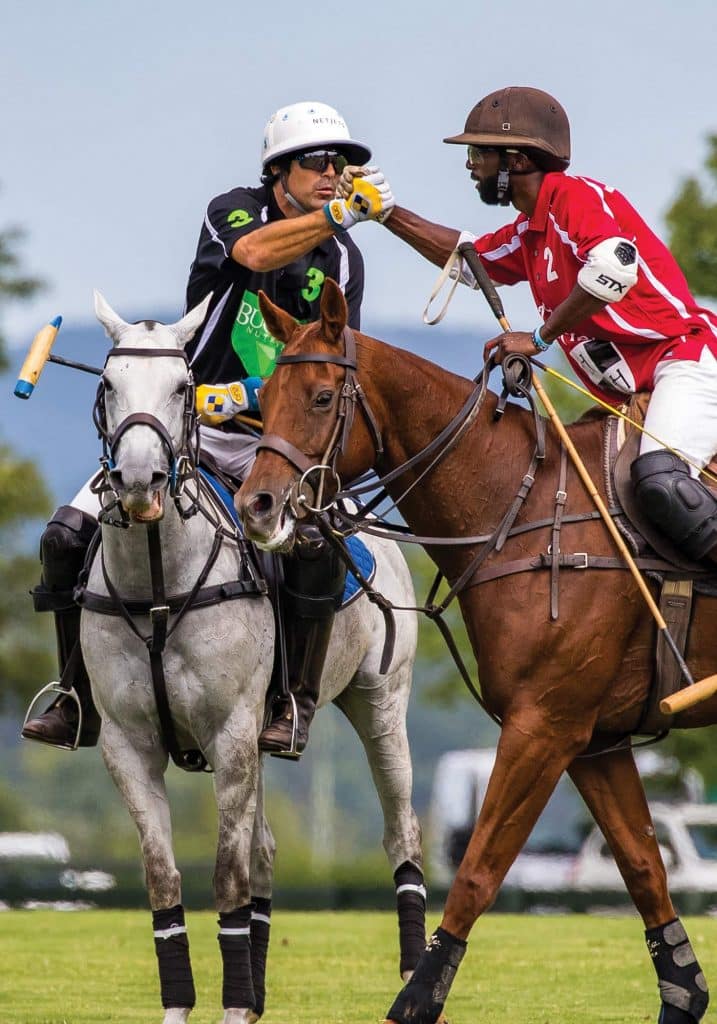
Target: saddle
x: 681, y: 577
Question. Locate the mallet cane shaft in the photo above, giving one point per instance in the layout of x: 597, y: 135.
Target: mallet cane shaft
x: 694, y: 692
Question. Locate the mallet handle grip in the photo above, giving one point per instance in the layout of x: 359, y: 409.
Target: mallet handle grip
x: 36, y: 357
x: 688, y: 696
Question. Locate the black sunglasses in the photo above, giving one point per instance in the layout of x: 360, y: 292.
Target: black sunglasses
x: 319, y: 159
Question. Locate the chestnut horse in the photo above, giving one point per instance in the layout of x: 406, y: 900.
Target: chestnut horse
x: 555, y: 684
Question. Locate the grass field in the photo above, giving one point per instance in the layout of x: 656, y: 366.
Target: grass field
x: 336, y: 968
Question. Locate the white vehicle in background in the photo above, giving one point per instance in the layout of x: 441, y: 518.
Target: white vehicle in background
x: 35, y: 872
x: 565, y: 852
x: 459, y: 787
x: 687, y: 834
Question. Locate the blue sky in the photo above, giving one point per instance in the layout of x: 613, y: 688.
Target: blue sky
x: 121, y: 120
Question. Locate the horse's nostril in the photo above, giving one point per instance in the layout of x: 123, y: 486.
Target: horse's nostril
x: 261, y: 504
x: 159, y: 479
x: 115, y: 476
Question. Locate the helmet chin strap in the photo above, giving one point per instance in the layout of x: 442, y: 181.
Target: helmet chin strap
x: 503, y: 188
x: 288, y: 196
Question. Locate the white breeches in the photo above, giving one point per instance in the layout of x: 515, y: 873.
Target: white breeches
x: 683, y: 410
x: 233, y: 453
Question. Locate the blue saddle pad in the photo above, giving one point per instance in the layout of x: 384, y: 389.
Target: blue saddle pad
x: 224, y: 494
x: 364, y: 559
x: 365, y: 563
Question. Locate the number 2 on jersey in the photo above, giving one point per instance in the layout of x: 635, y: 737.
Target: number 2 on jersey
x: 552, y: 275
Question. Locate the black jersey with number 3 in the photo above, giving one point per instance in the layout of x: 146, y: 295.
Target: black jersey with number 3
x: 233, y: 342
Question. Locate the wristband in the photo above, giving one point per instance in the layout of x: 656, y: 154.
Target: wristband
x: 542, y: 346
x: 335, y: 213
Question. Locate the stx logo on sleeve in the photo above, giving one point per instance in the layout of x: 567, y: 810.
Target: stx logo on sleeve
x: 611, y: 283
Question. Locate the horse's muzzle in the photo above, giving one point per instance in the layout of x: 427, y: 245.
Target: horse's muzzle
x: 268, y: 522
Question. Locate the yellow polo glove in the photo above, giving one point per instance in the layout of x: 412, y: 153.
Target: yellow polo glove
x: 217, y: 403
x: 365, y: 195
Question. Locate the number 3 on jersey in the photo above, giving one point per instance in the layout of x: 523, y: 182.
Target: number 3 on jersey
x: 551, y: 275
x: 314, y: 280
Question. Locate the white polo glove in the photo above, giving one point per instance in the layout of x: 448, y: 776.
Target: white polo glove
x: 362, y: 194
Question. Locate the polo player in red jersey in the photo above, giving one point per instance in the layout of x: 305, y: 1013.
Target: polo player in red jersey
x: 612, y: 296
x: 607, y: 290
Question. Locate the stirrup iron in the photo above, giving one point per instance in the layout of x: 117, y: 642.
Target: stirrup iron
x: 292, y: 754
x: 62, y: 691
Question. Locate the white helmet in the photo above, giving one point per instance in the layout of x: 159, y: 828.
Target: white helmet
x: 307, y: 126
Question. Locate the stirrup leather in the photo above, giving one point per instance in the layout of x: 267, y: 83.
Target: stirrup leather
x: 62, y: 691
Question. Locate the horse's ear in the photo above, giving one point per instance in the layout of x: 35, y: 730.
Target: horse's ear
x: 334, y: 311
x: 278, y: 322
x: 113, y: 324
x: 185, y: 329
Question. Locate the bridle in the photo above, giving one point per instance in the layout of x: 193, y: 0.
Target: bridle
x: 351, y: 396
x: 183, y: 456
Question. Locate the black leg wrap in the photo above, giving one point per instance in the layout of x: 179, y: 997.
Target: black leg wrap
x: 234, y: 942
x: 683, y: 989
x: 421, y: 1001
x: 260, y: 927
x: 172, y: 948
x: 411, y: 907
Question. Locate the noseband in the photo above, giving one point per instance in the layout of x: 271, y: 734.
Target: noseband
x: 351, y: 395
x: 182, y: 458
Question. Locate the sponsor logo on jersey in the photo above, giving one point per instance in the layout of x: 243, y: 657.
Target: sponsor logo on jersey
x: 250, y: 339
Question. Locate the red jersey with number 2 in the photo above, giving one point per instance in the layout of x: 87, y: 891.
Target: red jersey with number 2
x: 617, y: 349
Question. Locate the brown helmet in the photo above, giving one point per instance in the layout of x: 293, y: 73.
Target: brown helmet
x: 522, y: 118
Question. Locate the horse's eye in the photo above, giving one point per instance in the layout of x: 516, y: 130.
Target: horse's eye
x: 181, y: 389
x: 324, y: 399
x: 107, y: 385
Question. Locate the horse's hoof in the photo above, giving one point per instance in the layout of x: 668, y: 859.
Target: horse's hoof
x: 238, y: 1017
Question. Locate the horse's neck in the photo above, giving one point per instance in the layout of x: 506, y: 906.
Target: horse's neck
x: 463, y: 493
x: 468, y: 492
x: 185, y: 546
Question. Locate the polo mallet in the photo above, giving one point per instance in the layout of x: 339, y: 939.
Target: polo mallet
x: 39, y: 353
x: 694, y: 692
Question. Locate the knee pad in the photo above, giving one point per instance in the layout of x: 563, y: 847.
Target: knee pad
x: 681, y: 506
x: 63, y: 547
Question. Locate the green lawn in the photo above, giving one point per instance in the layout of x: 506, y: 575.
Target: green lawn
x: 336, y: 968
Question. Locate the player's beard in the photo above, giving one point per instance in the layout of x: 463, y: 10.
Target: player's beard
x: 488, y: 191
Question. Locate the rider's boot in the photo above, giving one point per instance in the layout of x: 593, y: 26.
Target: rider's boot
x: 314, y: 579
x: 63, y: 547
x: 679, y: 504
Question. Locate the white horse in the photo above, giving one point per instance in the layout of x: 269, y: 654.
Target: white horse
x: 216, y: 661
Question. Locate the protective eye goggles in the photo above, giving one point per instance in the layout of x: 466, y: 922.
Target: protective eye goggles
x: 476, y: 154
x: 319, y: 159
